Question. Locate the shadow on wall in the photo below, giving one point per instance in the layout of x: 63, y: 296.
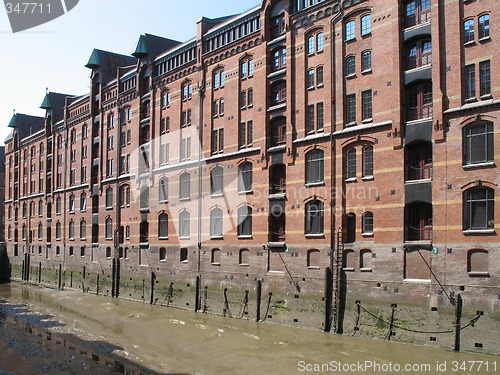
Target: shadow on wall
x: 4, y: 265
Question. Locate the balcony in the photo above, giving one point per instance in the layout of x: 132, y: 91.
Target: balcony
x: 419, y: 102
x: 278, y: 132
x: 277, y: 180
x: 418, y: 223
x: 416, y: 12
x: 418, y: 161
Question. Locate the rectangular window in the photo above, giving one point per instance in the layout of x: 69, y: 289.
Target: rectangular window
x: 350, y: 65
x: 319, y: 76
x: 222, y: 79
x: 250, y: 68
x: 244, y: 70
x: 216, y: 108
x: 485, y: 78
x: 366, y: 61
x: 250, y: 97
x: 310, y: 79
x: 310, y: 45
x: 319, y: 115
x: 310, y: 118
x: 367, y: 104
x: 221, y: 107
x: 221, y: 140
x: 350, y: 109
x: 470, y: 81
x: 243, y: 99
x: 242, y: 135
x: 319, y: 42
x: 214, y: 141
x: 216, y: 81
x: 84, y: 174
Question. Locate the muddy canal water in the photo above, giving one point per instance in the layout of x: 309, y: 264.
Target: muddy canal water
x: 168, y: 340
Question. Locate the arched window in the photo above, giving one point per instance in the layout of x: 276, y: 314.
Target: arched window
x: 367, y: 223
x: 484, y: 26
x: 278, y: 131
x: 163, y: 254
x: 109, y: 197
x: 25, y: 209
x: 348, y: 260
x: 314, y: 217
x: 315, y: 166
x: 350, y: 163
x: 216, y: 257
x: 109, y: 229
x: 216, y: 222
x: 127, y: 232
x: 40, y: 208
x: 368, y: 161
x: 468, y: 31
x: 478, y: 143
x: 83, y: 201
x: 40, y: 231
x: 71, y: 203
x: 58, y: 230
x: 245, y: 221
x: 478, y: 262
x: 479, y: 208
x: 244, y: 257
x: 245, y: 177
x: 163, y: 190
x: 83, y: 229
x: 185, y: 186
x: 184, y: 224
x: 216, y: 181
x: 9, y: 233
x: 163, y: 225
x: 71, y: 230
x: 366, y: 25
x: 350, y: 30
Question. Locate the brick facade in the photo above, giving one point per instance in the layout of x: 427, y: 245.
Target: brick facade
x: 352, y: 116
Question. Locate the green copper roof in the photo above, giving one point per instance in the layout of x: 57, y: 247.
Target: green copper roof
x: 46, y: 102
x: 142, y: 48
x: 13, y: 122
x: 94, y: 60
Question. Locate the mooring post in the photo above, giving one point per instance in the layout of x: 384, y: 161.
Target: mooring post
x: 458, y: 317
x: 60, y: 275
x: 153, y: 278
x: 197, y: 293
x: 259, y: 297
x: 40, y: 273
x: 391, y: 326
x: 328, y: 299
x: 28, y: 267
x: 113, y: 276
x: 71, y: 279
x: 97, y: 289
x: 117, y: 281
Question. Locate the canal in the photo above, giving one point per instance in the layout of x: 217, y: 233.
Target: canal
x: 174, y: 341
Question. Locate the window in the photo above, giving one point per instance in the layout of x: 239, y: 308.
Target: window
x: 478, y: 262
x: 368, y: 161
x: 417, y: 12
x: 310, y: 118
x: 58, y: 206
x: 109, y: 228
x: 278, y: 131
x: 216, y: 181
x: 58, y: 230
x: 469, y: 31
x: 366, y: 25
x: 315, y: 166
x: 245, y: 221
x: 183, y: 255
x: 216, y: 80
x: 111, y: 121
x: 216, y: 222
x: 314, y: 217
x: 184, y: 224
x: 310, y: 79
x: 217, y: 141
x: 365, y: 260
x: 163, y: 254
x: 470, y: 82
x: 319, y: 76
x: 278, y: 92
x: 83, y: 229
x: 478, y: 146
x: 127, y: 232
x: 319, y: 42
x: 40, y: 231
x: 163, y: 190
x: 249, y: 98
x: 185, y: 148
x: 246, y: 68
x: 350, y: 32
x: 420, y: 101
x: 144, y: 198
x: 367, y: 225
x: 419, y: 54
x: 310, y: 45
x: 243, y: 257
x: 350, y: 66
x: 71, y: 230
x: 109, y: 197
x: 484, y: 26
x: 350, y: 163
x: 250, y: 68
x: 71, y: 203
x: 319, y: 116
x: 366, y: 103
x: 185, y: 186
x: 187, y: 91
x: 479, y: 208
x: 350, y: 109
x: 163, y: 99
x: 245, y: 177
x: 485, y: 78
x: 84, y: 136
x: 129, y: 114
x: 40, y: 209
x: 243, y: 99
x: 313, y: 259
x: 279, y: 59
x: 163, y: 225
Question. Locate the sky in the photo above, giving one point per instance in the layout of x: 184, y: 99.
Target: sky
x: 53, y: 55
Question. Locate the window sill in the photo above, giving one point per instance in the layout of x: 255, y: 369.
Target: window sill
x: 216, y: 195
x: 107, y: 208
x: 244, y: 265
x: 367, y: 234
x: 163, y: 238
x: 319, y: 86
x: 350, y: 40
x: 486, y: 97
x: 478, y: 231
x: 245, y: 192
x: 471, y: 43
x: 417, y: 281
x: 310, y: 88
x: 478, y: 274
x: 365, y: 269
x: 245, y: 237
x: 348, y: 269
x: 350, y: 76
x: 349, y: 124
x: 315, y: 235
x: 184, y: 199
x: 313, y: 267
x: 366, y: 35
x: 185, y: 238
x: 352, y: 179
x: 484, y: 40
x: 368, y: 178
x: 216, y: 264
x: 216, y: 237
x: 313, y: 184
x: 470, y: 100
x: 368, y: 71
x: 184, y: 261
x: 163, y: 260
x: 367, y: 121
x: 162, y: 202
x: 479, y: 165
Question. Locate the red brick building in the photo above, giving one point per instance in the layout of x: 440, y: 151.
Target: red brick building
x: 238, y: 155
